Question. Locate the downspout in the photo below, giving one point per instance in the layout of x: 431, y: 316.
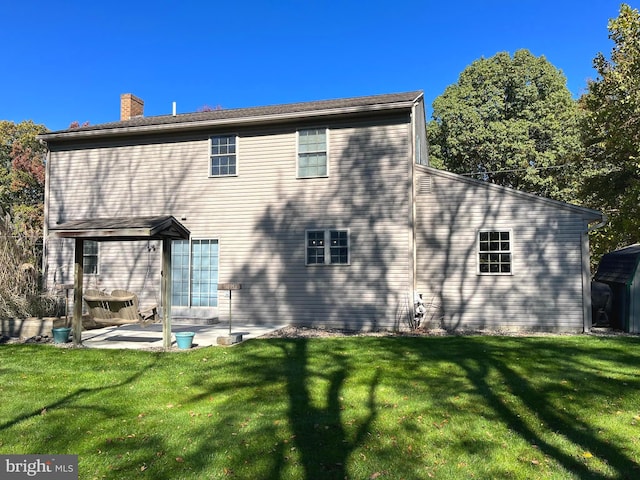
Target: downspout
x: 412, y: 199
x: 414, y: 211
x: 587, y: 314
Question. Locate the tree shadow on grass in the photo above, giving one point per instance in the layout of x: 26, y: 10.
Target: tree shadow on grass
x: 321, y: 439
x: 72, y: 423
x: 518, y: 385
x: 482, y: 361
x: 78, y: 394
x: 286, y: 413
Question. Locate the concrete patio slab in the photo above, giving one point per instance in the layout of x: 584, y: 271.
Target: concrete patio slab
x: 136, y: 336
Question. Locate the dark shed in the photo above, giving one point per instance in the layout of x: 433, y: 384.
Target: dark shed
x: 619, y: 270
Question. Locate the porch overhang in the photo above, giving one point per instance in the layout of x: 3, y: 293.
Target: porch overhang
x: 123, y: 229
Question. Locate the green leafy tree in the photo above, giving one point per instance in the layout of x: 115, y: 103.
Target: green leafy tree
x: 509, y: 120
x: 23, y: 133
x: 22, y: 174
x: 611, y: 133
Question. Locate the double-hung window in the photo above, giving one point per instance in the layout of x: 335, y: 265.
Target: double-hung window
x: 223, y: 156
x: 90, y: 257
x: 312, y: 153
x: 194, y: 273
x: 327, y: 247
x: 494, y: 252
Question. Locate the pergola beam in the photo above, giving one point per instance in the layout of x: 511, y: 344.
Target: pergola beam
x: 165, y: 228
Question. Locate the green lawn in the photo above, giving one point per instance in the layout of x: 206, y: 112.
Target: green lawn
x: 352, y: 407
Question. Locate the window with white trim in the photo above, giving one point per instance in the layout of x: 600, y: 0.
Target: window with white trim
x: 194, y: 273
x: 312, y: 153
x: 494, y: 252
x: 90, y: 257
x: 223, y: 156
x: 327, y: 247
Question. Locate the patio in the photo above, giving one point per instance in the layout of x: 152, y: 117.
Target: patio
x: 136, y: 336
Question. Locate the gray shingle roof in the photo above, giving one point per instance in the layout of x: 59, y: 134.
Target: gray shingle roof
x: 121, y: 228
x: 619, y: 266
x: 373, y: 102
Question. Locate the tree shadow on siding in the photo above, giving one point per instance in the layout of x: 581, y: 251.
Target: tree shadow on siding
x: 367, y: 193
x: 546, y: 279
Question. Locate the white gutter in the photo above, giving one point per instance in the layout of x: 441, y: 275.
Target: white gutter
x: 600, y: 224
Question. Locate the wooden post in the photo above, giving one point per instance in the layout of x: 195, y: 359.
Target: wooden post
x: 78, y: 275
x: 166, y: 293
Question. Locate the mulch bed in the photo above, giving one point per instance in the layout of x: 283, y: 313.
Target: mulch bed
x: 312, y: 332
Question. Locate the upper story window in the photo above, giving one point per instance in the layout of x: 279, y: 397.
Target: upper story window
x: 327, y: 247
x: 312, y: 152
x: 494, y: 252
x: 90, y: 257
x: 223, y: 161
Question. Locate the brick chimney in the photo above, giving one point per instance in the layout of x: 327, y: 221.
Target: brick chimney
x: 130, y: 106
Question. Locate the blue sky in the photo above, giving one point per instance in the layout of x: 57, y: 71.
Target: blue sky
x: 69, y: 61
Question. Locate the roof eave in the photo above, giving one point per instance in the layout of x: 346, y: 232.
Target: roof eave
x: 249, y: 120
x: 130, y: 233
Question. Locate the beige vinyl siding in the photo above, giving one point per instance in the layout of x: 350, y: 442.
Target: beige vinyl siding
x: 260, y: 217
x: 545, y: 290
x: 133, y: 266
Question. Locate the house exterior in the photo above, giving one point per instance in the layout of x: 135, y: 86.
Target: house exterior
x: 327, y: 213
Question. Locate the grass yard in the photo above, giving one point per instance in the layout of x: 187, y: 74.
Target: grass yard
x: 565, y: 407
